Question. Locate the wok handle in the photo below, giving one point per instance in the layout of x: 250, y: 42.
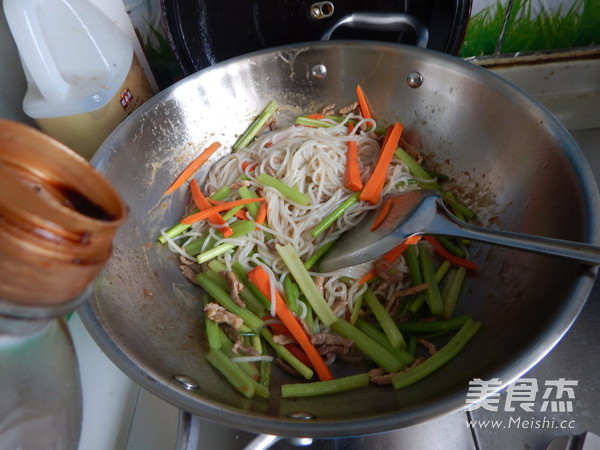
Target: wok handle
x: 382, y: 22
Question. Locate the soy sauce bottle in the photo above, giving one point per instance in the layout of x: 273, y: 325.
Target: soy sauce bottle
x: 58, y: 218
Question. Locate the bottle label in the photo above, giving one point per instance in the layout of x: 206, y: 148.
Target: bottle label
x: 85, y: 132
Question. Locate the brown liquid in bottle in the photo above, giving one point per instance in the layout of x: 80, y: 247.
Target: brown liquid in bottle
x: 58, y: 216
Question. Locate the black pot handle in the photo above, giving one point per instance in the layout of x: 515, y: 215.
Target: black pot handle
x: 382, y: 22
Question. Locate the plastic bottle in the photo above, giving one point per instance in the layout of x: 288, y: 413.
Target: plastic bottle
x: 83, y: 77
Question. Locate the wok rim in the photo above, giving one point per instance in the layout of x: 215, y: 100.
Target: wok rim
x: 170, y: 391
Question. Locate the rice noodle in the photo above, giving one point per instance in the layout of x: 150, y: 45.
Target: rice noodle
x: 313, y: 161
x: 251, y: 358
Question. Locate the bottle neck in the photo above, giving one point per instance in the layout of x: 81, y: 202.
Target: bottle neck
x: 39, y: 311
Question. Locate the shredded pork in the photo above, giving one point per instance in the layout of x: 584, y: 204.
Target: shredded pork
x: 217, y: 313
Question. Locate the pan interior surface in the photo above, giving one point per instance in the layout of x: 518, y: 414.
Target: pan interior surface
x: 515, y: 164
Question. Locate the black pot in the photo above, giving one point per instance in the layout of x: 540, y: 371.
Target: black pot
x: 204, y: 32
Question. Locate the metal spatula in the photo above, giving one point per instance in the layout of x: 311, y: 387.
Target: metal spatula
x: 422, y: 212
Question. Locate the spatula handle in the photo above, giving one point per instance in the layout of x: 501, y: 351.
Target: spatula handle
x: 450, y: 226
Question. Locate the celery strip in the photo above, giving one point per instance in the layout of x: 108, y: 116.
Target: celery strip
x: 257, y: 343
x: 445, y: 286
x: 310, y: 318
x: 227, y: 349
x: 459, y: 208
x: 240, y: 274
x: 378, y: 336
x: 385, y: 320
x: 367, y: 346
x: 442, y: 270
x: 335, y: 386
x: 419, y: 172
x: 221, y: 193
x: 303, y: 120
x: 174, y: 231
x: 289, y: 192
x: 251, y: 301
x: 217, y: 279
x: 412, y: 345
x: 415, y: 168
x: 214, y: 252
x: 194, y: 248
x: 222, y: 297
x: 416, y: 303
x: 288, y: 357
x: 212, y: 328
x: 356, y: 309
x: 265, y: 373
x: 453, y: 292
x: 291, y: 293
x: 239, y: 228
x: 236, y: 377
x: 443, y: 356
x: 335, y: 214
x: 451, y: 246
x: 319, y: 252
x: 247, y: 193
x: 242, y: 228
x: 433, y: 296
x: 410, y: 256
x: 306, y: 284
x: 255, y: 126
x: 178, y: 228
x: 232, y: 212
x: 434, y: 326
x: 217, y: 266
x: 260, y: 389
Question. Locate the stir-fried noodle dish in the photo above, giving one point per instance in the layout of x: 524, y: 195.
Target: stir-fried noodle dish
x: 254, y: 231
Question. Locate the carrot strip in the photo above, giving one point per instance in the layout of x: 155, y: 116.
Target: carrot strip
x: 193, y: 167
x: 372, y: 190
x: 367, y: 277
x: 362, y: 102
x: 383, y: 213
x: 456, y: 260
x: 352, y: 178
x: 241, y: 214
x: 315, y: 116
x: 395, y: 253
x: 259, y: 277
x: 280, y: 329
x: 248, y: 164
x: 220, y: 207
x: 262, y: 214
x: 202, y: 203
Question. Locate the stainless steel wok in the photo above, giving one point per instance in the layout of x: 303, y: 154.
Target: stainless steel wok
x: 516, y: 163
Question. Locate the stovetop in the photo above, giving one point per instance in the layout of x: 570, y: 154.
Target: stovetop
x: 560, y: 396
